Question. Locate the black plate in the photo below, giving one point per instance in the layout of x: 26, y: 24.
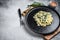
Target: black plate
x: 38, y: 29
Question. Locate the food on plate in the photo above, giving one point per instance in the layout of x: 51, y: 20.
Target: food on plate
x: 43, y: 18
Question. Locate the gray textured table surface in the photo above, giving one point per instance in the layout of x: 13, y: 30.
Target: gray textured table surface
x: 10, y: 28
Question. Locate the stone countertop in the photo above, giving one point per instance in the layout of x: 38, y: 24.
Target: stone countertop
x: 10, y: 28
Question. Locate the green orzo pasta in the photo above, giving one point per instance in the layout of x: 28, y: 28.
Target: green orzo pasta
x: 43, y: 18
